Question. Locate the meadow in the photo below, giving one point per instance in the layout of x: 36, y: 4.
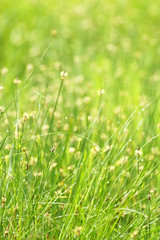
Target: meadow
x: 79, y: 119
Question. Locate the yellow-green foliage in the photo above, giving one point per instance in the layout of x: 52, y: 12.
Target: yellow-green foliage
x: 79, y: 119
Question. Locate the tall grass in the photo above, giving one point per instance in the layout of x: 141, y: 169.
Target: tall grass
x: 79, y: 112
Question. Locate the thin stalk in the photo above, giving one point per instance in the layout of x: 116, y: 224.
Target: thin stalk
x: 55, y: 107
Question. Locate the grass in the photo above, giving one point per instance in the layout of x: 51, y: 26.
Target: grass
x: 80, y: 126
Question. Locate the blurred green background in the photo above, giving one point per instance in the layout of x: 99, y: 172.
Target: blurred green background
x: 114, y: 45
